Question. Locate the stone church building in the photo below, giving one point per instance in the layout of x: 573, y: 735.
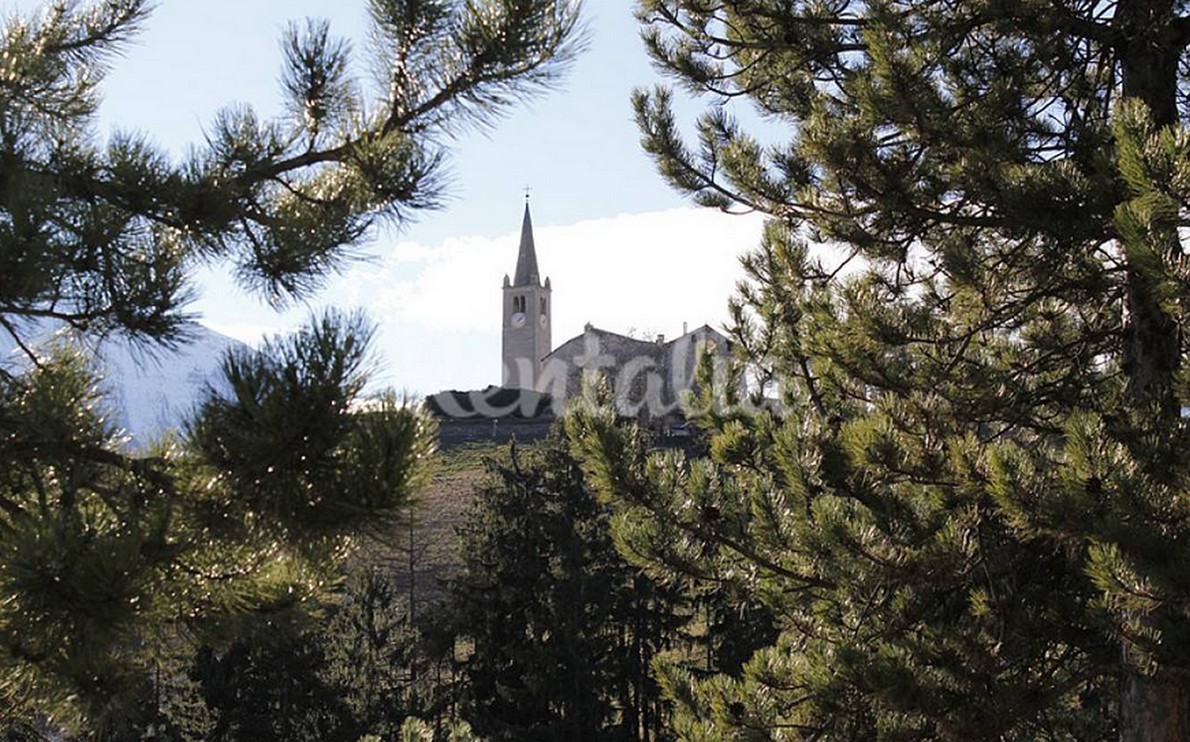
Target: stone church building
x: 646, y: 377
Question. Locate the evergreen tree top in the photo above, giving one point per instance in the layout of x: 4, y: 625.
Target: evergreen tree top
x: 966, y: 505
x: 104, y: 236
x: 234, y: 529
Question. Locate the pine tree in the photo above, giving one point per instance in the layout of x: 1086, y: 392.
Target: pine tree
x: 114, y: 562
x: 271, y: 692
x: 371, y: 650
x: 110, y: 557
x: 557, y: 630
x: 415, y: 730
x: 346, y: 678
x: 960, y: 483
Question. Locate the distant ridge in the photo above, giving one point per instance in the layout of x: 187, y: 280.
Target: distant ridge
x: 150, y: 391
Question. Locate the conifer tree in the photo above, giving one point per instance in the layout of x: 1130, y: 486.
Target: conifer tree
x: 559, y: 629
x: 346, y: 678
x: 270, y: 692
x: 372, y: 650
x: 961, y: 482
x: 416, y: 730
x: 109, y: 556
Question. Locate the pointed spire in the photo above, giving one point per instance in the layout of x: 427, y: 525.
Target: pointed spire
x: 526, y: 259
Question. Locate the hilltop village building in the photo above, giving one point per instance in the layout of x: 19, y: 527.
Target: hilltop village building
x: 647, y: 378
x: 527, y: 317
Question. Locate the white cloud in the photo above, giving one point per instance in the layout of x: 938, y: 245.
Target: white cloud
x: 437, y: 307
x: 644, y: 271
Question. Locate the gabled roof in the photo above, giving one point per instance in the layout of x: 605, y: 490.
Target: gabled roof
x: 640, y: 344
x: 703, y: 331
x: 526, y: 259
x: 592, y: 331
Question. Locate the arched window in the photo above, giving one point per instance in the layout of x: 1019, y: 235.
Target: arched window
x: 543, y: 306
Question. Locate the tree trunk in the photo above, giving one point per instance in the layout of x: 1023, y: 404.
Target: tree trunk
x: 1150, y: 49
x: 1153, y: 708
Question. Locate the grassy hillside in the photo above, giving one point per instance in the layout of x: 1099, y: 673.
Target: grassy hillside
x: 425, y: 551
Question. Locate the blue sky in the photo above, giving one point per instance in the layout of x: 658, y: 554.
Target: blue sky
x: 624, y: 251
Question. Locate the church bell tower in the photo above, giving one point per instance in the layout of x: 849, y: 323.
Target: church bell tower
x: 527, y: 316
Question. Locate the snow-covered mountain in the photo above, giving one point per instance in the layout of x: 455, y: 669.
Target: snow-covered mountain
x: 151, y: 390
x: 152, y: 393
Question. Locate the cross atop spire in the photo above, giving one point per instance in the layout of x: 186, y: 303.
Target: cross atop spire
x: 526, y: 259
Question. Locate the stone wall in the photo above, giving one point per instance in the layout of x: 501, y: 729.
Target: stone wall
x: 456, y: 432
x: 647, y: 379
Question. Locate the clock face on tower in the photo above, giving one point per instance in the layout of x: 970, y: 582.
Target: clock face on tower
x: 541, y: 320
x: 518, y: 319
